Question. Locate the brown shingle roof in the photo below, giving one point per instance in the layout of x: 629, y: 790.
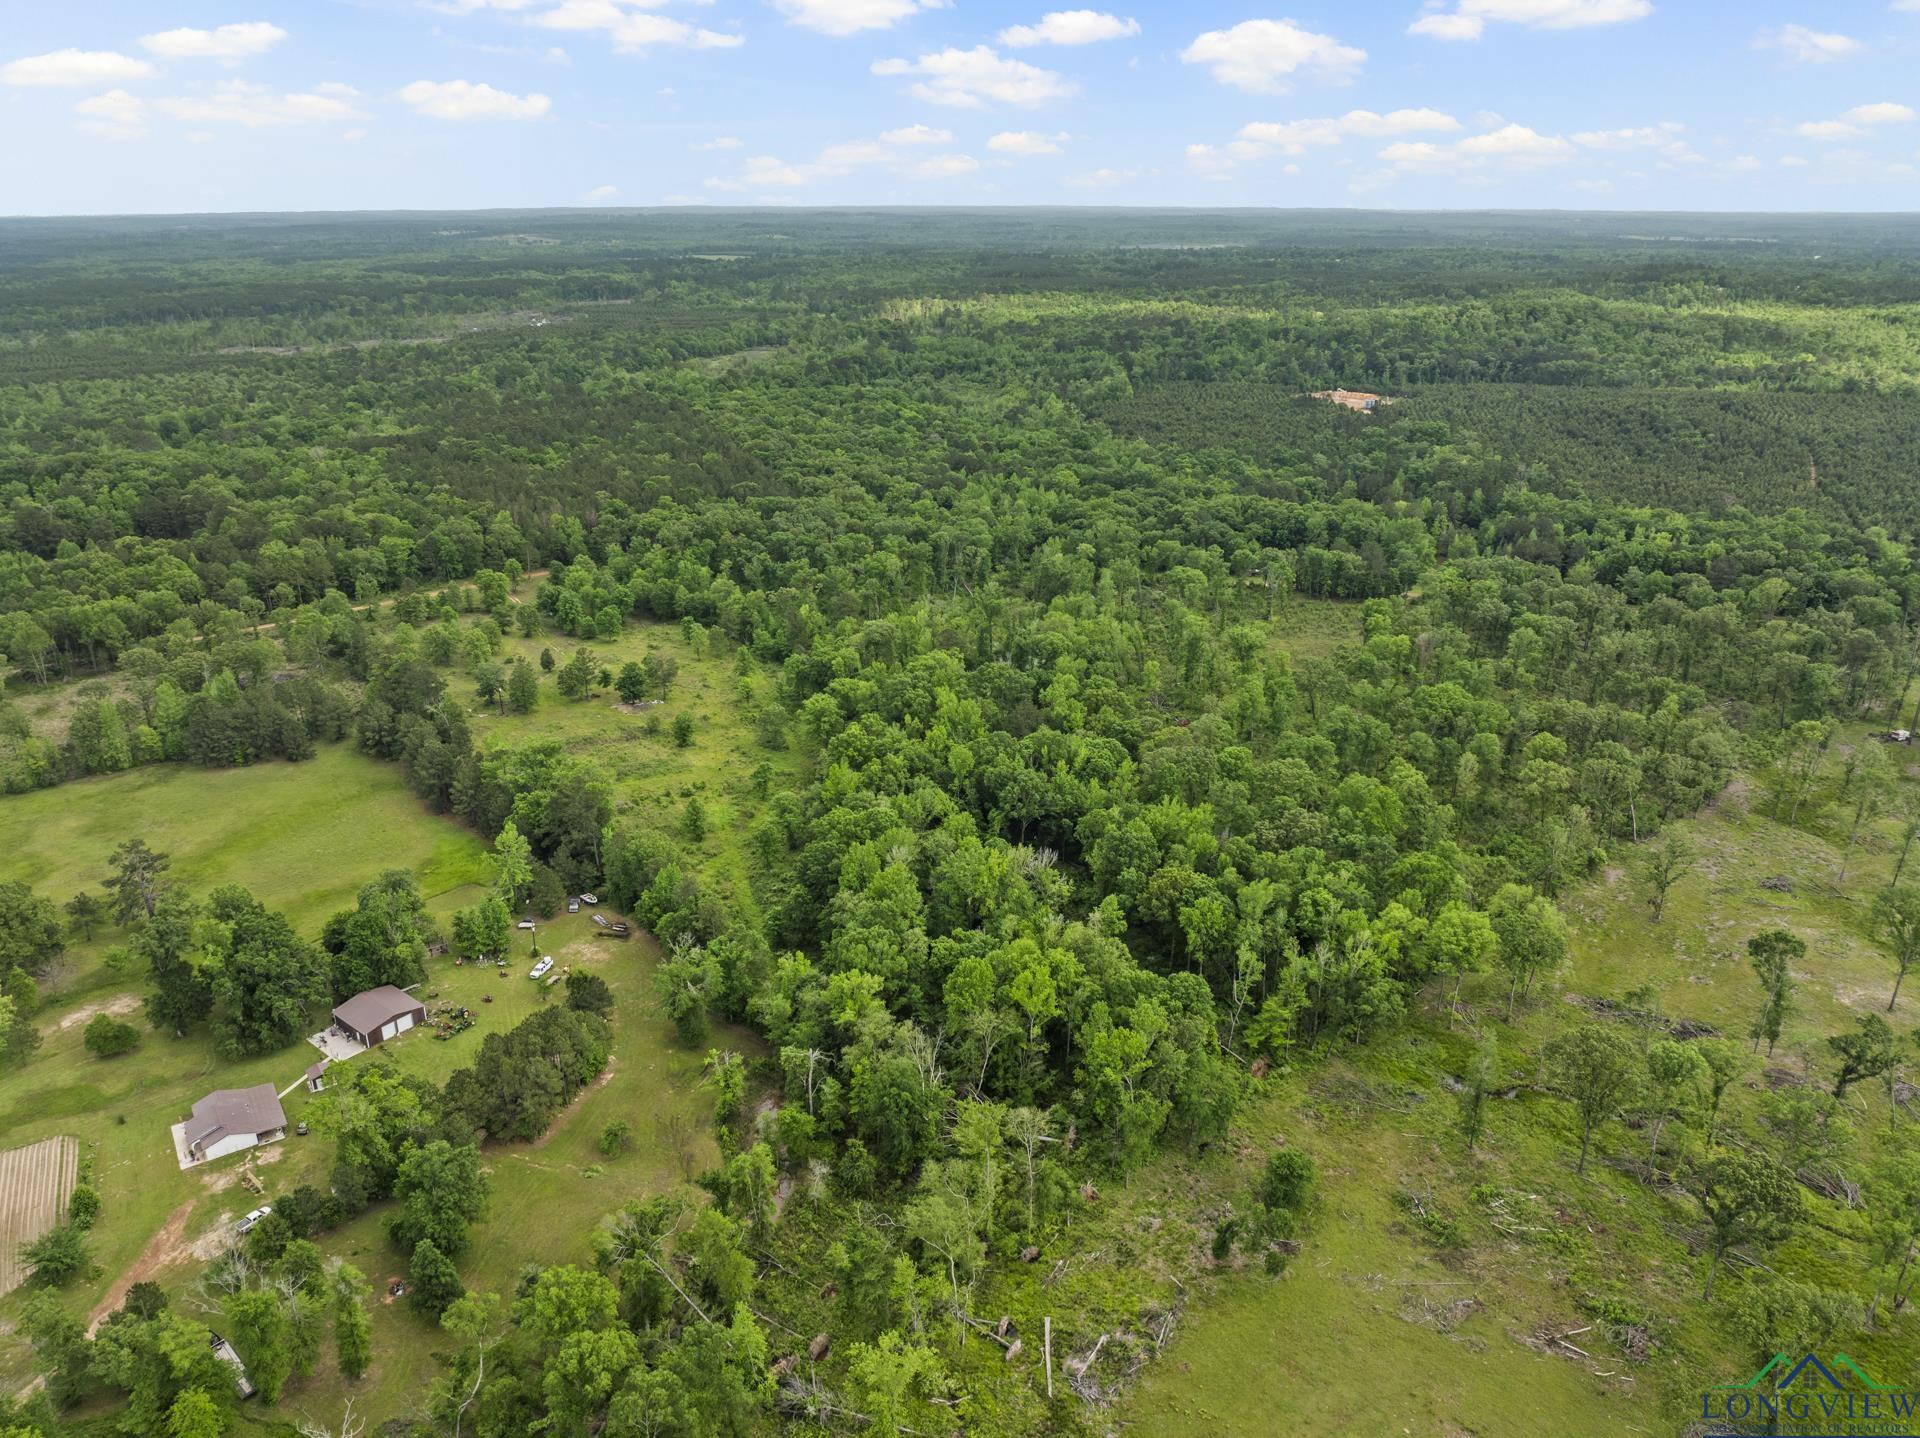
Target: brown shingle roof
x: 236, y: 1110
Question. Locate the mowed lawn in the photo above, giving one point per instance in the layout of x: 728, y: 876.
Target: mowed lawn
x: 303, y: 837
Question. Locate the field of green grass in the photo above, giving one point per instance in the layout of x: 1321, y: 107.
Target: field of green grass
x: 303, y: 837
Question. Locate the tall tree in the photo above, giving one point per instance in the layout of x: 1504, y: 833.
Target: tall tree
x: 1593, y: 1068
x: 1773, y: 954
x: 1896, y: 919
x: 137, y: 880
x: 1666, y: 866
x: 1745, y: 1198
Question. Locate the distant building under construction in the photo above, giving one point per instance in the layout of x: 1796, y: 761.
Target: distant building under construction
x: 1357, y: 399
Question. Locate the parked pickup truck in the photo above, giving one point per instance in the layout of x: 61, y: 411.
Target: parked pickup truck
x: 246, y: 1224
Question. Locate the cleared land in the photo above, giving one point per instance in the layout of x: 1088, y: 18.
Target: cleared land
x: 303, y: 837
x: 35, y: 1184
x: 1432, y: 1282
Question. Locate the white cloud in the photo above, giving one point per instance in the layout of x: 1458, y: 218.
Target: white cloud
x: 1443, y: 26
x: 1744, y: 164
x: 847, y: 17
x: 972, y: 78
x: 226, y: 42
x: 1265, y: 55
x: 1515, y: 143
x: 116, y: 115
x: 74, y: 67
x: 1026, y: 142
x: 1884, y: 112
x: 464, y: 100
x: 1510, y: 146
x: 1855, y: 123
x: 632, y: 33
x: 718, y: 142
x: 1295, y: 137
x: 599, y: 194
x: 354, y: 135
x: 891, y: 152
x: 916, y: 135
x: 941, y: 167
x: 1468, y: 21
x: 1805, y: 46
x: 255, y: 106
x: 1102, y: 178
x: 1663, y: 139
x: 1070, y: 27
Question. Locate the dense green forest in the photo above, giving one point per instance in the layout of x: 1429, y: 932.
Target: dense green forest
x: 1053, y: 856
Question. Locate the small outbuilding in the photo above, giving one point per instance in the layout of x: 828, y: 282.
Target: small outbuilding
x: 230, y: 1119
x: 379, y: 1014
x: 317, y: 1076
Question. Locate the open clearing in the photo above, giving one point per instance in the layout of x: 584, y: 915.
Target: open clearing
x: 35, y: 1184
x: 303, y: 837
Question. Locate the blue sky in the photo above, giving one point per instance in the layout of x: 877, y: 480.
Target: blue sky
x: 115, y: 106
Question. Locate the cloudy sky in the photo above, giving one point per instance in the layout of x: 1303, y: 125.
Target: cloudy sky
x: 114, y: 106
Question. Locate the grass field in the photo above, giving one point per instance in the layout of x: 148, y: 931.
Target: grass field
x: 303, y: 837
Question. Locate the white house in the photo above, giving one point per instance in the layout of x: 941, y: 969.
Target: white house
x: 228, y: 1120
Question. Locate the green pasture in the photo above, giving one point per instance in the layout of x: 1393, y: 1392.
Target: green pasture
x: 303, y: 837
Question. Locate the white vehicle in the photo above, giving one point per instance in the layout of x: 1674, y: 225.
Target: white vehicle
x: 589, y: 898
x: 246, y: 1224
x: 540, y: 969
x: 573, y: 906
x: 524, y: 924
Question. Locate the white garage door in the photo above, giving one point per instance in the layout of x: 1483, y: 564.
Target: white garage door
x: 388, y: 1030
x: 403, y: 1023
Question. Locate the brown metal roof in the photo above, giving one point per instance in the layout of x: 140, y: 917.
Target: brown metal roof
x: 365, y: 1013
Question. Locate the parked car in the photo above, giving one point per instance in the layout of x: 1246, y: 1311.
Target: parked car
x: 246, y: 1224
x: 540, y: 969
x: 573, y: 906
x: 524, y: 924
x: 589, y: 898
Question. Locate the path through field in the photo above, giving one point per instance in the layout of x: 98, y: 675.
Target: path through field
x: 35, y: 1184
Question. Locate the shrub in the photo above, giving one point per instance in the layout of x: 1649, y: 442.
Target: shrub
x: 106, y: 1037
x: 84, y: 1206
